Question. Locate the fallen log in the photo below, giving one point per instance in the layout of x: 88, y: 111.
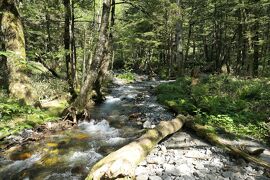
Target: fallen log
x: 122, y: 163
x: 204, y: 132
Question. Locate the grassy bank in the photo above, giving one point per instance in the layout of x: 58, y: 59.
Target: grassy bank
x: 234, y: 105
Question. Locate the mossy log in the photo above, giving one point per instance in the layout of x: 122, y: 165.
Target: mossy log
x: 204, y: 132
x: 122, y: 163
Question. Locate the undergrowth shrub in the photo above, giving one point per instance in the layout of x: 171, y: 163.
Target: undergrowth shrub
x: 236, y: 105
x: 129, y: 76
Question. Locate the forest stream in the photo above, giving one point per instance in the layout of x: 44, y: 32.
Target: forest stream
x: 126, y: 112
x: 70, y: 154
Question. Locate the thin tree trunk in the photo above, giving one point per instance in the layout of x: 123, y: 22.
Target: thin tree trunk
x: 188, y: 41
x: 68, y: 46
x: 255, y: 70
x: 84, y: 55
x: 179, y: 42
x: 73, y: 48
x: 48, y: 29
x: 239, y: 41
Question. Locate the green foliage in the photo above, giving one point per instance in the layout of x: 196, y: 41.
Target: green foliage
x: 238, y: 106
x: 16, y: 116
x: 128, y: 76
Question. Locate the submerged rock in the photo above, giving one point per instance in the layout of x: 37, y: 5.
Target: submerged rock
x: 20, y: 156
x: 78, y: 170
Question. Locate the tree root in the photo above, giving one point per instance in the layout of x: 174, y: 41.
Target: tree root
x: 72, y: 114
x: 121, y: 164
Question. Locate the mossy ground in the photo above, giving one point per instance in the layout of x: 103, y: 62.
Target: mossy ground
x: 16, y: 116
x: 228, y: 104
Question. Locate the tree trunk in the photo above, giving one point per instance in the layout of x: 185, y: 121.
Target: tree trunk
x: 122, y: 163
x: 179, y: 42
x: 68, y: 43
x: 49, y: 47
x: 73, y: 48
x: 84, y: 55
x: 103, y: 74
x: 98, y: 58
x: 255, y: 70
x: 188, y: 41
x: 14, y: 44
x: 3, y: 65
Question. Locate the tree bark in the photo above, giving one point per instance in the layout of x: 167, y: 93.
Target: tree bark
x: 73, y: 49
x: 19, y: 85
x: 98, y: 58
x: 239, y: 41
x: 122, y: 163
x: 103, y: 73
x: 179, y: 42
x: 188, y: 41
x: 68, y: 43
x: 255, y: 67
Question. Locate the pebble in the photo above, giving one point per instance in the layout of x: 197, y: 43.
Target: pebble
x: 142, y: 177
x: 141, y: 170
x: 211, y: 177
x: 163, y: 149
x: 198, y: 165
x: 147, y: 124
x: 155, y: 178
x: 166, y: 177
x: 227, y: 174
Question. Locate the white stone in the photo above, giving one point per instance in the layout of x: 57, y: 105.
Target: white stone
x: 198, y: 166
x: 140, y: 170
x: 155, y: 178
x: 142, y: 177
x: 163, y: 149
x: 147, y: 125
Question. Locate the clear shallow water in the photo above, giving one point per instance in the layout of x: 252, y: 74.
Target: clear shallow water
x: 70, y: 154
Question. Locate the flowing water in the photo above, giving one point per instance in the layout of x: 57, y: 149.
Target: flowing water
x: 71, y: 153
